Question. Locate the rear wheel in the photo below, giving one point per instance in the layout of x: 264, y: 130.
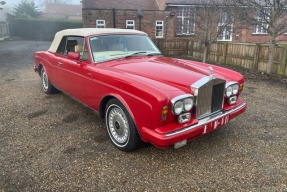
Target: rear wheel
x: 120, y: 126
x: 46, y: 85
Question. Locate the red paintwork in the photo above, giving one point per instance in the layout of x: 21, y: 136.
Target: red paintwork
x: 74, y: 56
x: 144, y: 84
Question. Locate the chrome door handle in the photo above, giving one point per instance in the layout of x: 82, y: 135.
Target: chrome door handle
x: 60, y: 64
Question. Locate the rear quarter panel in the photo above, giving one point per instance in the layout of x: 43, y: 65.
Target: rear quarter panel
x: 46, y: 60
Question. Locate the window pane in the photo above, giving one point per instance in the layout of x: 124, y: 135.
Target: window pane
x: 261, y: 25
x: 100, y: 24
x: 224, y: 27
x: 130, y: 24
x: 185, y: 21
x: 159, y: 29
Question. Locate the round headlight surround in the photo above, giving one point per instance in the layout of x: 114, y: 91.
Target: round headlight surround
x: 235, y: 89
x: 231, y: 89
x: 178, y: 107
x: 228, y: 91
x: 188, y: 104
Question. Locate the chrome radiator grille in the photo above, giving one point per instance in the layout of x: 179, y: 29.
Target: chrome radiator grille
x: 210, y: 97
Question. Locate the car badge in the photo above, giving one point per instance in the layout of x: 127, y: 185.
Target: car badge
x: 210, y: 71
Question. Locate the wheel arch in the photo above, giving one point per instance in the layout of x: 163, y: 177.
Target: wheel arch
x: 107, y: 98
x: 40, y: 66
x: 103, y: 103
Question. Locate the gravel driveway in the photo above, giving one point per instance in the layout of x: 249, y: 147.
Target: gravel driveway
x: 52, y: 143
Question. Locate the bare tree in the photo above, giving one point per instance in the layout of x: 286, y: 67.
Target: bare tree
x: 2, y: 3
x: 213, y: 21
x: 266, y: 17
x: 55, y: 1
x: 44, y: 2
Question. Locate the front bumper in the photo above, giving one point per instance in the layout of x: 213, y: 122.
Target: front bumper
x: 204, y: 126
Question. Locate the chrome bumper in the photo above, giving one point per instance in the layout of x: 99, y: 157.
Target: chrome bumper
x: 206, y: 120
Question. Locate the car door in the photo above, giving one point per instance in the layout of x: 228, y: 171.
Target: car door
x: 71, y: 72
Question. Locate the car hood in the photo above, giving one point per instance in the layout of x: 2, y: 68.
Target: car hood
x: 174, y: 73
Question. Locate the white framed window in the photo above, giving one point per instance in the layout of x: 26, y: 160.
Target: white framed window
x: 159, y: 29
x: 225, y: 27
x: 130, y: 24
x: 261, y: 19
x: 100, y: 24
x: 185, y: 21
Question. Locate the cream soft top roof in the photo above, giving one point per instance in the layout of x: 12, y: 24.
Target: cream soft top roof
x: 88, y: 32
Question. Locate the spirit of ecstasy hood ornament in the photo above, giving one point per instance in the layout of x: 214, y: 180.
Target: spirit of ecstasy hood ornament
x: 210, y: 71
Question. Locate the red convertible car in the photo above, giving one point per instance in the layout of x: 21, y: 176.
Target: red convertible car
x: 142, y: 95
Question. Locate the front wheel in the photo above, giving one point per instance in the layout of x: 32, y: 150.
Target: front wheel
x: 46, y: 85
x: 120, y: 126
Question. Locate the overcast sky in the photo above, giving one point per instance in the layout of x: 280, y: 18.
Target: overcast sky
x: 9, y: 6
x: 11, y: 3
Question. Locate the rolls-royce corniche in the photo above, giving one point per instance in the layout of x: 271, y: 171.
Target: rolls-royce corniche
x: 142, y: 95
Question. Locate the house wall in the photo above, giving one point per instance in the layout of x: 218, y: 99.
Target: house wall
x: 149, y: 19
x: 246, y: 36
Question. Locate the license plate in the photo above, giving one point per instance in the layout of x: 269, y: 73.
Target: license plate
x: 215, y: 124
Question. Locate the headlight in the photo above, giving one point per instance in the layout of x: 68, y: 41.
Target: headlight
x: 232, y: 88
x: 182, y: 103
x: 188, y: 103
x: 235, y: 89
x: 228, y: 92
x: 178, y: 107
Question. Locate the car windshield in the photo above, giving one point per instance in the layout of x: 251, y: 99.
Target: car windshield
x: 108, y: 47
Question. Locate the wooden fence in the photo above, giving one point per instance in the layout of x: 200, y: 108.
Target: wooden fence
x: 252, y: 56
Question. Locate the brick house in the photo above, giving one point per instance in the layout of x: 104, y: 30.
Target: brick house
x: 148, y: 15
x: 160, y: 19
x: 63, y: 11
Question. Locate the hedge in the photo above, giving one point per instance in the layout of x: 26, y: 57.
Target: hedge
x: 39, y: 29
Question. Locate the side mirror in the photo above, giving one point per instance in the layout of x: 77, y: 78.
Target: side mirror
x: 74, y: 55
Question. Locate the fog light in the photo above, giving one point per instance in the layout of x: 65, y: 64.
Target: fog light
x: 183, y: 118
x: 180, y: 144
x: 232, y: 100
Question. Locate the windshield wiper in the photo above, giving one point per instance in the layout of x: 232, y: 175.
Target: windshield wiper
x: 142, y: 52
x: 136, y: 53
x: 153, y: 54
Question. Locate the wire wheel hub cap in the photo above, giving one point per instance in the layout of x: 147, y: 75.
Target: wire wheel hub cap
x: 118, y: 125
x: 44, y: 80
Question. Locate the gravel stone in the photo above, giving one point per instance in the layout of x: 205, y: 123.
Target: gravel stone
x: 52, y: 143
